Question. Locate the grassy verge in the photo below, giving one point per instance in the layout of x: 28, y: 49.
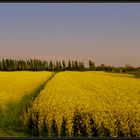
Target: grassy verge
x: 9, y: 117
x: 135, y: 73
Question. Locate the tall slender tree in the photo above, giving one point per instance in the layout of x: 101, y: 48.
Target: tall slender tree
x: 73, y: 65
x: 91, y: 65
x: 60, y: 66
x: 69, y: 65
x: 51, y: 65
x: 64, y: 65
x: 76, y: 65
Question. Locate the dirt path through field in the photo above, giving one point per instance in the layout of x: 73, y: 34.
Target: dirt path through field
x: 10, y: 122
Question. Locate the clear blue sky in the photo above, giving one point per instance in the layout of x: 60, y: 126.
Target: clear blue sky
x: 106, y: 33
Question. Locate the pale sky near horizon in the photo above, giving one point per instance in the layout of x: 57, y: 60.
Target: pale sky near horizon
x: 106, y: 33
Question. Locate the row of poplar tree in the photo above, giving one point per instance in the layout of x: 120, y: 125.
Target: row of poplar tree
x: 43, y: 65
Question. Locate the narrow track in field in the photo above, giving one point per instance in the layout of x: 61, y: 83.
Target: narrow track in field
x: 30, y: 98
x: 42, y: 86
x: 13, y: 128
x: 35, y: 93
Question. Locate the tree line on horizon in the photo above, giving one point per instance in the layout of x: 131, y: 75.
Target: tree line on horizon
x: 71, y: 65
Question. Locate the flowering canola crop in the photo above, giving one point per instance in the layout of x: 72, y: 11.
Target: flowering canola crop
x: 86, y: 104
x: 14, y: 85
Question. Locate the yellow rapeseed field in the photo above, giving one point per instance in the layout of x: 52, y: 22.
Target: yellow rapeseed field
x: 91, y: 103
x: 14, y: 85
